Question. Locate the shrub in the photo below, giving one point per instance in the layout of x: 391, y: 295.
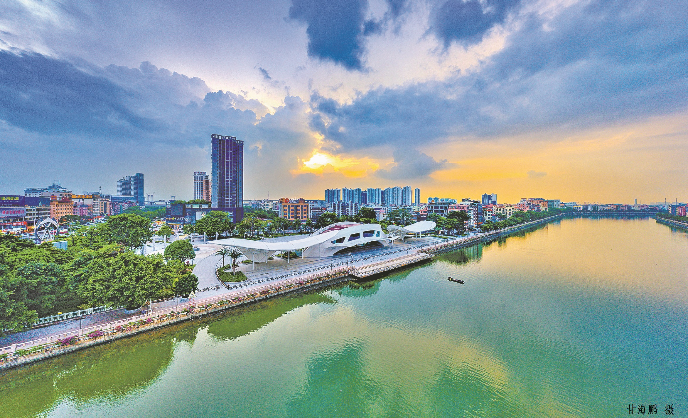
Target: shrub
x: 96, y: 334
x: 67, y: 341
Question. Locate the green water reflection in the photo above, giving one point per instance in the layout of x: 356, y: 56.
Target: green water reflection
x: 578, y: 318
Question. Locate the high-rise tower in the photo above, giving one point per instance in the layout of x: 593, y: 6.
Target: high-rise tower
x: 201, y: 186
x: 228, y: 175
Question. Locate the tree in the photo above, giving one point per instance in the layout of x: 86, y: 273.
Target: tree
x: 327, y: 218
x: 366, y: 215
x: 460, y: 218
x: 128, y: 280
x: 187, y: 283
x: 149, y: 212
x: 14, y: 315
x: 37, y: 285
x: 165, y: 231
x: 250, y: 225
x: 131, y: 231
x: 234, y: 254
x: 181, y: 250
x: 279, y: 224
x: 224, y: 251
x: 260, y: 213
x: 400, y: 216
x: 213, y: 223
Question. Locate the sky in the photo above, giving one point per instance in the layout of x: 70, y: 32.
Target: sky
x: 582, y: 101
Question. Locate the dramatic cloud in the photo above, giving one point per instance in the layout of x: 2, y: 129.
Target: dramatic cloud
x: 470, y: 88
x: 575, y: 70
x: 133, y: 114
x: 412, y: 164
x: 335, y: 29
x: 467, y: 22
x: 40, y: 94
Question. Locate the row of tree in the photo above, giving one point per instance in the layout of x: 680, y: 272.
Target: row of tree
x: 518, y: 218
x: 99, y: 267
x: 671, y: 217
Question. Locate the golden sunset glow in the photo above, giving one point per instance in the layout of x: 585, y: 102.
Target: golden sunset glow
x: 322, y: 163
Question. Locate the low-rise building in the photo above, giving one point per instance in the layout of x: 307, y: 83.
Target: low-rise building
x: 61, y: 208
x: 297, y: 209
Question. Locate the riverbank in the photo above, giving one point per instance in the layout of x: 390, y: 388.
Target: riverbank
x: 23, y: 353
x: 455, y: 244
x: 672, y: 223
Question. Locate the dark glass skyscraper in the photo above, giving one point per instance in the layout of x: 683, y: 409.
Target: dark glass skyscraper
x: 228, y: 174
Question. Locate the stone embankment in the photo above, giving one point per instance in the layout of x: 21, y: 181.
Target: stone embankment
x: 388, y: 265
x: 27, y: 352
x: 675, y: 224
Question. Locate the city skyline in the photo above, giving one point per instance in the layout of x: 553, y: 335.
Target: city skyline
x: 579, y: 100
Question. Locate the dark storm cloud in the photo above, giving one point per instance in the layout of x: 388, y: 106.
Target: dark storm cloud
x: 593, y: 64
x: 335, y: 29
x: 412, y: 164
x: 467, y: 22
x: 41, y: 94
x: 118, y: 118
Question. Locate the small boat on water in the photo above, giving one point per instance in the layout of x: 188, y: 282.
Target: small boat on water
x: 451, y: 279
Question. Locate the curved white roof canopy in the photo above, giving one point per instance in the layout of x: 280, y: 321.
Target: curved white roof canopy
x: 323, y: 242
x: 421, y: 226
x: 292, y: 245
x: 396, y: 231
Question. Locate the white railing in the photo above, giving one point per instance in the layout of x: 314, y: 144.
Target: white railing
x: 69, y: 315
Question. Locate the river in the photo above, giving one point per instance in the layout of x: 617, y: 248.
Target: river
x: 580, y: 318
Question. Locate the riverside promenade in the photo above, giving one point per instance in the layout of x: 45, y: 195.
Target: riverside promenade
x: 267, y: 281
x: 672, y: 223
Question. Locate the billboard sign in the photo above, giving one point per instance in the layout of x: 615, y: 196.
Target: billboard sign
x: 11, y: 200
x: 12, y: 212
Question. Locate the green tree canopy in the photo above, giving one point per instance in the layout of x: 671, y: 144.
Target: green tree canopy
x: 14, y: 315
x: 366, y: 215
x: 128, y: 280
x: 399, y: 216
x: 186, y: 283
x: 165, y: 231
x: 131, y: 231
x: 214, y: 223
x: 251, y: 225
x: 260, y: 213
x: 148, y: 212
x: 181, y: 250
x: 36, y: 284
x: 327, y: 218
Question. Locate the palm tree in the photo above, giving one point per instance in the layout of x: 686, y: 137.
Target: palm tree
x: 234, y: 254
x: 223, y: 252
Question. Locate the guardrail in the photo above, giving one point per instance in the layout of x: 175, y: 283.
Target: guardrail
x: 70, y: 315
